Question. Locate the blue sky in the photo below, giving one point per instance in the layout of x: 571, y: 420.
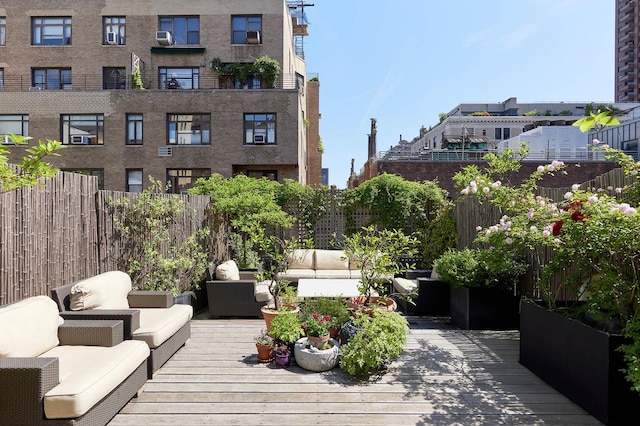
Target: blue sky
x: 405, y: 61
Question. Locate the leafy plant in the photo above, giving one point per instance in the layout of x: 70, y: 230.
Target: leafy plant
x: 264, y: 66
x: 317, y: 325
x: 336, y: 308
x: 33, y: 166
x: 156, y: 254
x: 286, y: 327
x: 136, y: 80
x: 304, y: 203
x: 379, y: 341
x: 263, y: 339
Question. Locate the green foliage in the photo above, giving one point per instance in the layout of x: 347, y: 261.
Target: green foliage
x: 378, y: 255
x: 597, y: 120
x: 565, y: 112
x: 442, y: 116
x: 275, y: 253
x: 336, y: 308
x: 136, y: 80
x: 32, y: 168
x: 306, y: 204
x: 154, y: 257
x: 481, y: 268
x: 265, y: 66
x: 480, y: 114
x: 380, y: 340
x: 321, y: 147
x: 286, y: 327
x: 438, y: 235
x: 533, y: 112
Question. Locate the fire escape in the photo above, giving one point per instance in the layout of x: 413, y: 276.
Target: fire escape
x: 300, y: 23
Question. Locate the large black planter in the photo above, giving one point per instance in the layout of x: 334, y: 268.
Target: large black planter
x: 433, y: 297
x: 579, y: 361
x: 481, y: 308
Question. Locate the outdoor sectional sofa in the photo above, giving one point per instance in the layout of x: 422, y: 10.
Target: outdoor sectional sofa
x: 55, y: 372
x: 319, y: 264
x: 148, y: 316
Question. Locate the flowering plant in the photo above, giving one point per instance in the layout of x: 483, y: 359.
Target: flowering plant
x: 592, y: 236
x: 281, y: 350
x: 317, y: 325
x: 263, y: 339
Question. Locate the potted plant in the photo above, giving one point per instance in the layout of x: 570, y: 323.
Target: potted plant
x: 379, y: 340
x: 316, y: 359
x: 377, y: 253
x: 483, y: 287
x: 286, y: 328
x: 317, y: 331
x: 264, y: 345
x: 282, y: 355
x: 335, y: 307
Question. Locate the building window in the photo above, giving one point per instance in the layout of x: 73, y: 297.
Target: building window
x: 51, y: 78
x: 114, y: 78
x: 484, y: 132
x: 246, y: 30
x: 498, y: 133
x: 134, y: 129
x: 183, y: 179
x: 1, y: 78
x: 259, y: 129
x: 90, y: 172
x: 82, y: 129
x: 113, y: 30
x: 16, y: 124
x: 189, y: 129
x: 53, y: 31
x: 258, y: 174
x: 179, y: 78
x: 3, y: 31
x: 134, y: 180
x: 251, y: 81
x: 506, y: 133
x: 183, y: 29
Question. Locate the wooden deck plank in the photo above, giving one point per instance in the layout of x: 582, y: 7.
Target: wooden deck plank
x: 445, y: 376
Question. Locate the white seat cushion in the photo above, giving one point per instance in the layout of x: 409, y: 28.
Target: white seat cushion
x: 355, y: 274
x: 333, y: 273
x: 29, y: 327
x: 158, y: 324
x: 404, y: 285
x: 88, y: 374
x: 296, y: 274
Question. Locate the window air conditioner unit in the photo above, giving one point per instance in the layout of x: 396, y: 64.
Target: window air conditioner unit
x: 258, y: 138
x: 81, y: 139
x: 164, y: 38
x: 112, y: 38
x: 253, y: 37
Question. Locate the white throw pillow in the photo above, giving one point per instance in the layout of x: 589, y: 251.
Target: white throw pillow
x: 228, y: 271
x: 108, y: 290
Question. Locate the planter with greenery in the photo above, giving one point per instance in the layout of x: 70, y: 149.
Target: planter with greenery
x: 264, y: 345
x: 286, y: 328
x: 335, y: 308
x: 282, y: 354
x: 266, y: 68
x: 379, y: 340
x: 312, y: 358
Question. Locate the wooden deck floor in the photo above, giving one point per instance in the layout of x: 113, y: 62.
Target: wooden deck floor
x: 444, y: 377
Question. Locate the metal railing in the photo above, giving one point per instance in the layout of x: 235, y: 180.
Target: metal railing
x: 94, y: 82
x: 568, y: 154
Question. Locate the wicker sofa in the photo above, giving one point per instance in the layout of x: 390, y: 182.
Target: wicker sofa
x: 64, y: 373
x: 319, y: 263
x: 148, y: 316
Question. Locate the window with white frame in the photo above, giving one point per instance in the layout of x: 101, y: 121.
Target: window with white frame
x: 82, y: 129
x: 113, y: 30
x: 183, y: 29
x: 189, y: 129
x: 51, y: 78
x: 181, y: 180
x: 260, y: 129
x: 246, y: 30
x: 17, y: 124
x: 51, y: 31
x: 134, y: 129
x: 134, y: 180
x: 3, y: 31
x: 178, y: 78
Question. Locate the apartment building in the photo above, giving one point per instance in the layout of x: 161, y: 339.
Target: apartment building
x: 173, y: 90
x: 627, y: 30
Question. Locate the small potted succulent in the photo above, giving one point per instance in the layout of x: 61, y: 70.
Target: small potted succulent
x: 282, y: 355
x: 264, y: 345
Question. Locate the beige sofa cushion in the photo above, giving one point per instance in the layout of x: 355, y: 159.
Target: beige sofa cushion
x: 228, y: 271
x: 331, y: 259
x: 301, y: 259
x: 88, y: 374
x: 355, y: 274
x: 404, y: 285
x: 29, y: 327
x: 261, y: 291
x: 296, y: 274
x: 333, y: 273
x: 108, y: 290
x: 158, y: 324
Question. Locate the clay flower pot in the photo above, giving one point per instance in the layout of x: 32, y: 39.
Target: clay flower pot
x: 318, y: 342
x: 265, y: 353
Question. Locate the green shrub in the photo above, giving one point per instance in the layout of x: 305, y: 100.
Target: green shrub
x: 286, y: 327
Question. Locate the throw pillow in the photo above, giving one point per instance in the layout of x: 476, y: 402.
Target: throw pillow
x: 228, y: 271
x: 108, y: 290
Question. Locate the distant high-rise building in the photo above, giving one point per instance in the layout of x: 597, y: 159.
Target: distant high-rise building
x: 627, y: 51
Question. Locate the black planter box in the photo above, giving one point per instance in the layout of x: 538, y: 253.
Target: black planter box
x: 474, y: 308
x: 579, y: 361
x: 433, y: 297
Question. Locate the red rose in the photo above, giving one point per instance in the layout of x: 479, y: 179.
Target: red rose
x: 557, y: 227
x: 577, y: 215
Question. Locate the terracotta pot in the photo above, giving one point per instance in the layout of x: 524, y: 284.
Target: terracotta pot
x: 360, y: 303
x: 265, y: 353
x: 318, y: 342
x: 269, y: 314
x: 283, y: 360
x: 334, y: 333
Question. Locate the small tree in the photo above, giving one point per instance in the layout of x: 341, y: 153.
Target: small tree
x: 32, y: 168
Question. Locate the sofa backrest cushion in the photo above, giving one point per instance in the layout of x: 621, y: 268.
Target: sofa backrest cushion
x: 301, y: 259
x: 108, y: 290
x: 228, y: 271
x: 29, y: 327
x: 331, y: 259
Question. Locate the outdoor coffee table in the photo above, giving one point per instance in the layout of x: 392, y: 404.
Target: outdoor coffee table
x: 328, y: 287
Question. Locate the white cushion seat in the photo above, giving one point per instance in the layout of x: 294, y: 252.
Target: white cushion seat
x: 159, y: 324
x: 333, y: 273
x: 404, y: 285
x: 88, y: 374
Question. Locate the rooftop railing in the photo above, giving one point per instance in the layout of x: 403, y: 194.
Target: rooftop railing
x: 563, y: 154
